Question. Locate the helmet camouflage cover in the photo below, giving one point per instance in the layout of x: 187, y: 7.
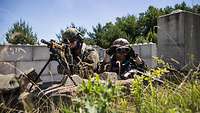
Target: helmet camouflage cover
x: 120, y: 42
x: 71, y: 34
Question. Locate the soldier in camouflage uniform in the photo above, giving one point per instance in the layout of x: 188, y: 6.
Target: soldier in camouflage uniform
x: 121, y: 58
x: 85, y: 58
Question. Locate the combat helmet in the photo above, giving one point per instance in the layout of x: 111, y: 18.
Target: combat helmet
x: 119, y: 45
x: 120, y: 42
x: 71, y: 34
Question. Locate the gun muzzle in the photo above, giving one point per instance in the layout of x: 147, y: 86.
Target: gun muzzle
x: 45, y: 42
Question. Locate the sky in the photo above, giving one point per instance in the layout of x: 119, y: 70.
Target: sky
x: 48, y: 17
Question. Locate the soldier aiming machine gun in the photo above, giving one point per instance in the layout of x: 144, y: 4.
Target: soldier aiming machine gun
x: 61, y: 53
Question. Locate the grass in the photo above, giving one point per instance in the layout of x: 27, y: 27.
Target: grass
x: 97, y: 97
x: 171, y: 97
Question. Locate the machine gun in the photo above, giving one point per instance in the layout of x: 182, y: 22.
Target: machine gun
x: 61, y: 53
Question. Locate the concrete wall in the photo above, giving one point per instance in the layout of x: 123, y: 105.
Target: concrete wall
x: 178, y: 38
x: 19, y: 58
x: 146, y: 51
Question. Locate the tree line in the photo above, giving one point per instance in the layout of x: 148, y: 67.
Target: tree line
x: 135, y: 29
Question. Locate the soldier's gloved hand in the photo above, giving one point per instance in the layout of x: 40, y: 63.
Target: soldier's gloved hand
x: 136, y: 57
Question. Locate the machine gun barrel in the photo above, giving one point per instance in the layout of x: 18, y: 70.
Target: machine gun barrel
x: 52, y: 44
x: 45, y: 42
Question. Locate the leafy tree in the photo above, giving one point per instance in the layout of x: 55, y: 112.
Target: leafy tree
x: 96, y: 34
x: 136, y: 30
x: 183, y: 6
x: 151, y: 37
x: 105, y: 35
x: 21, y: 33
x: 148, y: 20
x: 128, y: 25
x: 196, y: 9
x: 167, y: 10
x: 141, y: 39
x: 89, y: 41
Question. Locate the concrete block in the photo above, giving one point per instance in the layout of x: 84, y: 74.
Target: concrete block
x: 53, y: 67
x: 153, y: 50
x: 178, y: 38
x: 171, y: 29
x: 136, y: 48
x: 148, y: 50
x: 7, y: 67
x: 40, y: 53
x: 192, y: 48
x: 26, y: 65
x: 169, y: 52
x: 15, y: 53
x: 150, y: 63
x: 77, y: 79
x: 145, y: 51
x: 51, y: 78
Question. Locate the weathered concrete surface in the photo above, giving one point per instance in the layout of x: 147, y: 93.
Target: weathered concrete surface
x: 150, y: 62
x: 18, y: 58
x: 51, y: 78
x: 15, y: 53
x: 53, y: 67
x: 178, y: 38
x: 147, y: 51
x: 136, y: 48
x: 7, y: 67
x: 26, y: 65
x: 40, y: 53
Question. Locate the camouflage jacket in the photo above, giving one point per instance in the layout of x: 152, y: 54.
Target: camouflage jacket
x: 85, y: 64
x: 124, y: 67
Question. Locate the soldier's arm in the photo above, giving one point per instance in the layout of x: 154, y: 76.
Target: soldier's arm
x: 93, y: 59
x: 141, y: 66
x: 138, y: 60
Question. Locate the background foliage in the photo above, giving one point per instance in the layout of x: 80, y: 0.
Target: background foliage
x: 135, y: 29
x: 21, y: 33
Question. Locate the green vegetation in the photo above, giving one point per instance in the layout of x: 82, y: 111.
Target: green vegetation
x: 21, y: 33
x: 135, y: 29
x: 95, y: 97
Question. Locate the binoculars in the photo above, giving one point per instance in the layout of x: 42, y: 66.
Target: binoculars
x: 114, y: 50
x: 123, y: 50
